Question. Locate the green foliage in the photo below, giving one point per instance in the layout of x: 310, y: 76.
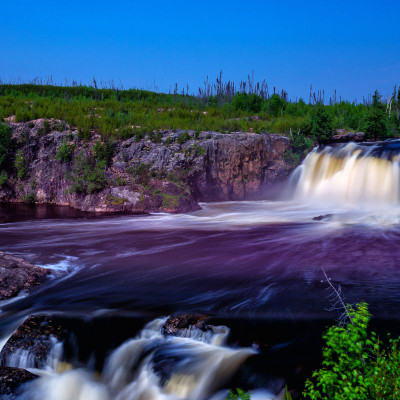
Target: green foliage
x: 30, y: 198
x: 375, y: 120
x: 141, y: 173
x: 88, y: 175
x: 5, y: 142
x: 275, y: 105
x: 20, y: 165
x: 104, y: 151
x: 239, y: 395
x: 122, y: 114
x: 3, y: 178
x: 356, y: 364
x: 320, y: 125
x: 65, y: 152
x: 45, y: 129
x: 183, y: 137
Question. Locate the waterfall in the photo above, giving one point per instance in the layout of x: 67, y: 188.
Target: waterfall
x: 192, y: 365
x: 351, y: 174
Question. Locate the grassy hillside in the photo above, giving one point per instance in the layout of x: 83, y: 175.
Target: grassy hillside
x: 121, y: 114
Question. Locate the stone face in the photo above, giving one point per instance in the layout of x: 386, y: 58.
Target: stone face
x: 17, y: 274
x: 168, y: 175
x: 12, y: 378
x: 36, y: 337
x: 176, y: 323
x: 343, y: 135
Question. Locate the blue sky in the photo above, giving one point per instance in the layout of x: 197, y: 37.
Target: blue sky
x: 353, y: 46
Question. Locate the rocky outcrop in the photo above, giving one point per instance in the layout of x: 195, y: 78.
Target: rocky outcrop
x: 17, y: 274
x: 342, y: 135
x: 11, y: 379
x: 30, y: 345
x: 168, y: 171
x: 177, y: 323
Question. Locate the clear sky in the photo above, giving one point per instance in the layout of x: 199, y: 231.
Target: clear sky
x: 353, y: 46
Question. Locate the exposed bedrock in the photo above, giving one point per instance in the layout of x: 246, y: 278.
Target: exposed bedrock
x: 169, y: 171
x: 17, y: 275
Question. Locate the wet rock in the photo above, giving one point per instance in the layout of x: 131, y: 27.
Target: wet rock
x: 325, y: 217
x: 12, y: 378
x: 168, y: 174
x: 343, y: 135
x: 177, y: 323
x: 17, y: 274
x: 32, y: 341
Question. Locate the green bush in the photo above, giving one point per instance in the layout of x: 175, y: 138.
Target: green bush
x: 5, y: 143
x: 183, y: 137
x: 45, y: 129
x: 239, y: 395
x: 65, y: 152
x: 20, y: 165
x: 375, y: 120
x: 320, y: 125
x: 104, y: 151
x: 356, y: 364
x: 3, y: 178
x: 30, y: 198
x: 88, y: 175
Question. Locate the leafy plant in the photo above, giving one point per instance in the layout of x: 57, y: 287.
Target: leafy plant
x: 65, y: 152
x: 88, y: 175
x: 104, y: 151
x: 3, y: 178
x: 30, y: 198
x: 5, y: 142
x: 20, y: 165
x: 375, y: 120
x: 183, y: 137
x: 356, y: 365
x: 239, y: 395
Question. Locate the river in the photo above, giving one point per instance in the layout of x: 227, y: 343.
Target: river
x: 255, y: 266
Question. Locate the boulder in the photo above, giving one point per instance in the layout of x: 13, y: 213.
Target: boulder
x: 17, y: 274
x: 30, y: 345
x: 12, y: 378
x: 177, y: 323
x: 343, y: 135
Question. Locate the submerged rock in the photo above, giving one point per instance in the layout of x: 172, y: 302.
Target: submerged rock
x: 12, y: 378
x: 177, y: 323
x: 17, y: 274
x: 31, y: 344
x: 325, y: 217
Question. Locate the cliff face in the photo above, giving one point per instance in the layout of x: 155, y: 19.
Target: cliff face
x: 169, y: 172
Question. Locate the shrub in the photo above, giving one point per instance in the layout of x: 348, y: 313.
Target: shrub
x: 375, y: 120
x: 30, y: 198
x: 3, y: 178
x: 239, y: 395
x: 45, y: 129
x: 320, y: 124
x: 88, y: 175
x: 65, y: 152
x: 20, y: 165
x: 183, y: 137
x: 5, y: 142
x: 104, y: 151
x: 275, y: 105
x: 356, y: 364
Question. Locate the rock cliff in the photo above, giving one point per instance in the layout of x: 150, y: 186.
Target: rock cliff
x: 169, y: 171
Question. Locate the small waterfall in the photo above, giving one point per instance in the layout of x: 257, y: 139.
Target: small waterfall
x: 193, y: 365
x: 351, y: 174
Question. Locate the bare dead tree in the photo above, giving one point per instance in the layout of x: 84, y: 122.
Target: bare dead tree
x: 337, y: 301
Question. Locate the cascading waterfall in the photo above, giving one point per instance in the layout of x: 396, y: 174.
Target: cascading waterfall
x: 351, y: 174
x: 193, y: 365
